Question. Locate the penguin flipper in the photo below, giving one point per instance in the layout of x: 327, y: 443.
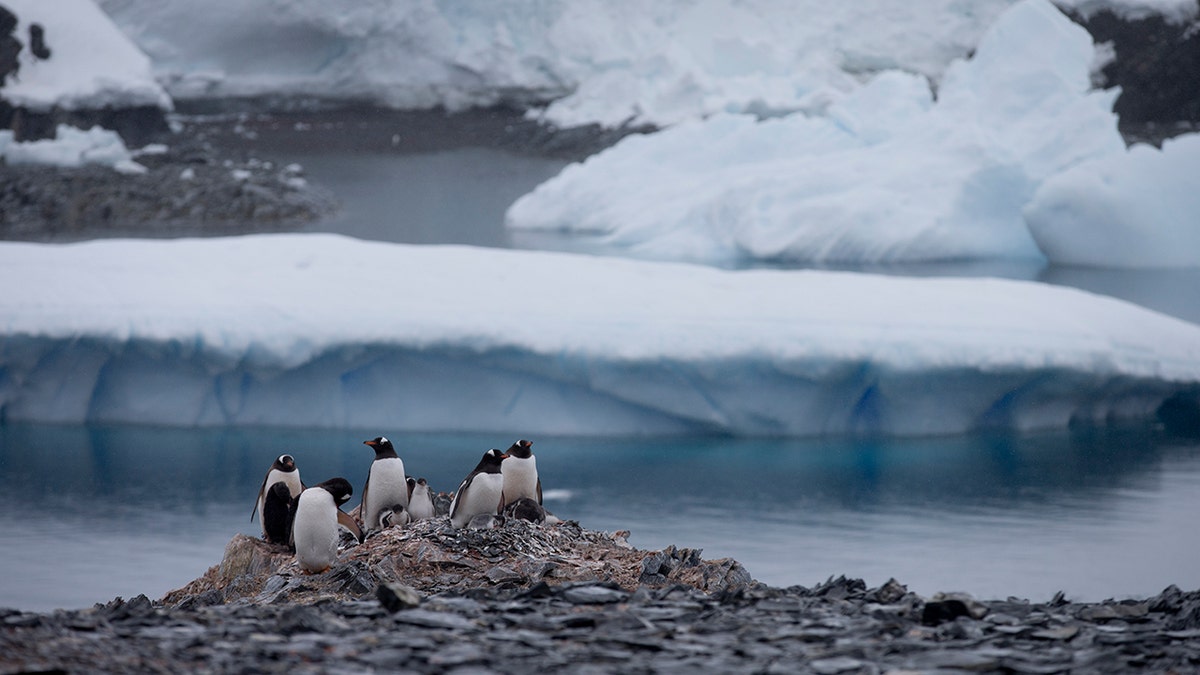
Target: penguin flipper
x: 461, y: 487
x: 349, y: 523
x: 539, y: 490
x: 262, y: 493
x: 362, y: 508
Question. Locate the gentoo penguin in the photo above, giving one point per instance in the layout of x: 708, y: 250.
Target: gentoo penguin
x: 315, y: 529
x: 481, y: 492
x: 520, y: 473
x: 277, y: 512
x: 386, y: 484
x: 283, y: 470
x: 420, y: 502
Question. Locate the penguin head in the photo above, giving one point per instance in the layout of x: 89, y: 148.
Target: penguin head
x: 491, y: 461
x: 522, y: 449
x: 339, y: 488
x: 285, y: 463
x: 382, y: 447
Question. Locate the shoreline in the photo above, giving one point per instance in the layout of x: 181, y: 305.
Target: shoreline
x: 565, y: 599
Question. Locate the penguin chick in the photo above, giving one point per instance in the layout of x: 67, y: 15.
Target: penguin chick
x: 315, y: 529
x: 486, y: 521
x: 526, y: 509
x: 284, y: 470
x: 277, y: 513
x: 520, y: 473
x: 386, y: 484
x: 420, y: 502
x: 393, y: 516
x: 481, y: 492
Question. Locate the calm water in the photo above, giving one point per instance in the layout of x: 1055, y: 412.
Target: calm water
x: 92, y: 513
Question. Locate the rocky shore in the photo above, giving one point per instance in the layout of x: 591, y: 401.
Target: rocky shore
x: 524, y: 598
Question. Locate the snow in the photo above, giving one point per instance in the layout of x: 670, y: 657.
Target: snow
x: 92, y: 64
x: 323, y: 330
x: 1134, y: 209
x: 72, y: 147
x: 887, y: 175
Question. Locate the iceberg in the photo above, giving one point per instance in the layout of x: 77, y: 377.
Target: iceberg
x: 71, y: 147
x: 310, y: 330
x: 92, y: 64
x: 1134, y: 209
x: 890, y: 174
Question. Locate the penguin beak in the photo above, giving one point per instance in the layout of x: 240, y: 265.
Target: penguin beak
x: 504, y: 457
x: 370, y: 443
x: 524, y: 444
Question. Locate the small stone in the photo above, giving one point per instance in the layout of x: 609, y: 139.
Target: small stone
x: 396, y: 596
x: 593, y: 595
x: 837, y: 664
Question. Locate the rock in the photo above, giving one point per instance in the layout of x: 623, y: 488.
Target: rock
x: 396, y: 596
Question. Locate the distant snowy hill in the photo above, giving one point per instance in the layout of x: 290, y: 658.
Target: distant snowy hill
x: 321, y: 330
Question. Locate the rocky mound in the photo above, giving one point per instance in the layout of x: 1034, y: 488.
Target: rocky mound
x: 430, y: 557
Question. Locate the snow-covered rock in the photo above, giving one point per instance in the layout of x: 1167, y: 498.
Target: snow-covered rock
x: 321, y: 330
x: 92, y: 64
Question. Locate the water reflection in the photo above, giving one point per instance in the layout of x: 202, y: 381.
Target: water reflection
x: 104, y: 511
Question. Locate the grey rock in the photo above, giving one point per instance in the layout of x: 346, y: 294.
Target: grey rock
x: 396, y: 596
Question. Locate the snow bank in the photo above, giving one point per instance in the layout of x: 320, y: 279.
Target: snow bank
x: 1135, y: 209
x: 321, y: 330
x: 92, y: 65
x: 888, y: 175
x: 71, y: 148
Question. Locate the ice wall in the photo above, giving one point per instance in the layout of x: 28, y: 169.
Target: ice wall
x: 320, y: 330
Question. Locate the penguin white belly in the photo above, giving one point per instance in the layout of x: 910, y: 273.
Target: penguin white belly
x: 481, y: 496
x: 420, y: 507
x: 315, y: 530
x: 520, y: 478
x: 288, y: 478
x: 386, y: 486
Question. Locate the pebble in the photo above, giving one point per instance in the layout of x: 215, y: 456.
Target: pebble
x: 594, y: 627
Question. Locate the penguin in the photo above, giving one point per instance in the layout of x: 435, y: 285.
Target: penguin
x: 277, y: 512
x: 520, y: 473
x: 386, y: 483
x: 394, y: 515
x: 420, y: 502
x: 315, y: 529
x: 481, y: 492
x: 525, y: 508
x: 282, y: 470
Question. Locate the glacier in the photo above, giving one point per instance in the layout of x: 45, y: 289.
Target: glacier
x: 609, y: 62
x: 310, y: 330
x: 892, y: 173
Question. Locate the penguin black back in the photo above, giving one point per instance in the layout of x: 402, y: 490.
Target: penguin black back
x: 278, y: 512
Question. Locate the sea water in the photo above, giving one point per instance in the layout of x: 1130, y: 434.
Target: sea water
x: 91, y: 513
